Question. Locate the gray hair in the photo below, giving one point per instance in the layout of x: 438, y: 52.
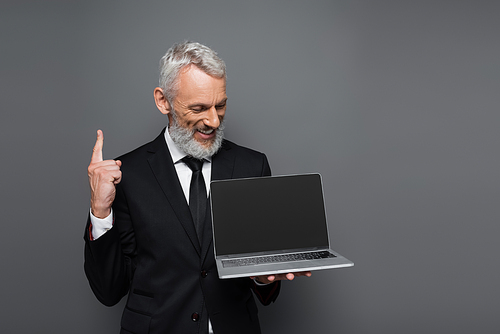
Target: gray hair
x: 183, y: 54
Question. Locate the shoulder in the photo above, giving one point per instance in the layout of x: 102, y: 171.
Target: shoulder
x: 238, y: 150
x: 144, y: 151
x: 242, y: 161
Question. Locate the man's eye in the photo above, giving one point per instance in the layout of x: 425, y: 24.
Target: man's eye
x: 222, y: 106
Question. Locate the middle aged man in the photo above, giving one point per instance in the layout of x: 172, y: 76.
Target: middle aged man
x: 143, y: 238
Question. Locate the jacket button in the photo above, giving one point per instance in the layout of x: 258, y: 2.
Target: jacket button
x: 195, y: 317
x: 204, y: 274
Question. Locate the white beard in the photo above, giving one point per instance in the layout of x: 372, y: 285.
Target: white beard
x: 184, y: 139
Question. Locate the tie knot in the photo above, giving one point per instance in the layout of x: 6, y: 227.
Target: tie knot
x: 193, y: 164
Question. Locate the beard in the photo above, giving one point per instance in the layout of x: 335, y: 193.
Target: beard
x: 184, y: 139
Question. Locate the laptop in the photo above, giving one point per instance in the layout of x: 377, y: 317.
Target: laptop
x: 271, y: 225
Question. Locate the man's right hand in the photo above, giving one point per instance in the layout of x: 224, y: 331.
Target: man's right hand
x: 103, y: 177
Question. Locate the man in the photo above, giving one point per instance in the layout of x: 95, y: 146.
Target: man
x: 144, y: 235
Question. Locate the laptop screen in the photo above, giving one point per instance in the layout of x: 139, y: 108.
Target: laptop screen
x: 268, y: 214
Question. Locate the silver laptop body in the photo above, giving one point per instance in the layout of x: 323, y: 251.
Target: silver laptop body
x: 271, y: 225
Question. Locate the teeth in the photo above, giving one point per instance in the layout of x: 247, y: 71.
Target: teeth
x: 206, y: 132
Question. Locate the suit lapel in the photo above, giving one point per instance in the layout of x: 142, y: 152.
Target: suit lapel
x: 223, y: 163
x: 163, y: 168
x: 222, y: 169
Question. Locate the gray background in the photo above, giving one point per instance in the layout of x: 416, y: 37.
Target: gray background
x: 395, y: 103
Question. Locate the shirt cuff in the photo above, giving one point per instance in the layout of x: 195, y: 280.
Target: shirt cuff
x: 100, y: 226
x: 259, y: 283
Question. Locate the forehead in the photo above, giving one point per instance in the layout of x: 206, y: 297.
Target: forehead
x: 195, y: 84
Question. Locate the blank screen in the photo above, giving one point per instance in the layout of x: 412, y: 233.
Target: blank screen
x: 268, y: 213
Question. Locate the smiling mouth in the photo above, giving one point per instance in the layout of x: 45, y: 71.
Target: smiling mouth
x: 205, y: 132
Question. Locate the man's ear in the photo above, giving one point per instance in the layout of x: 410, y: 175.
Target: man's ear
x: 161, y: 101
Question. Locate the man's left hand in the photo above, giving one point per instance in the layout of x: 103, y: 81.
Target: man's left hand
x: 266, y: 279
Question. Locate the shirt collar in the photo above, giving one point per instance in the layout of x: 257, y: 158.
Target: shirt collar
x: 175, y: 152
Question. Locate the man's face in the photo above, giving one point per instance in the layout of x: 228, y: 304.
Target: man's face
x: 199, y: 107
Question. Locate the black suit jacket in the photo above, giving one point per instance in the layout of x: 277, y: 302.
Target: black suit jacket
x: 153, y: 254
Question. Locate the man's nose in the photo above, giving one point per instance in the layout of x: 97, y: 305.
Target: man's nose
x: 212, y: 118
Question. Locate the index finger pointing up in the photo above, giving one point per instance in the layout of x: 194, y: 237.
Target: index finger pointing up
x: 97, y: 152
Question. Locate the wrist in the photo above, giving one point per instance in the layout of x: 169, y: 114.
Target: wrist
x: 100, y: 213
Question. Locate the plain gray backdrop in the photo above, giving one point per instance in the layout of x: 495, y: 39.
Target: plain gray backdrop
x: 395, y: 103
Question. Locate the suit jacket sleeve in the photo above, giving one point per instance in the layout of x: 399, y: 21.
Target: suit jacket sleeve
x: 109, y: 260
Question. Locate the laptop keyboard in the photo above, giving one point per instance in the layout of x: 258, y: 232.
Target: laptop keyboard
x: 248, y: 261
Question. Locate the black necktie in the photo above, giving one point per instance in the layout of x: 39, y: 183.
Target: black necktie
x: 197, y: 194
